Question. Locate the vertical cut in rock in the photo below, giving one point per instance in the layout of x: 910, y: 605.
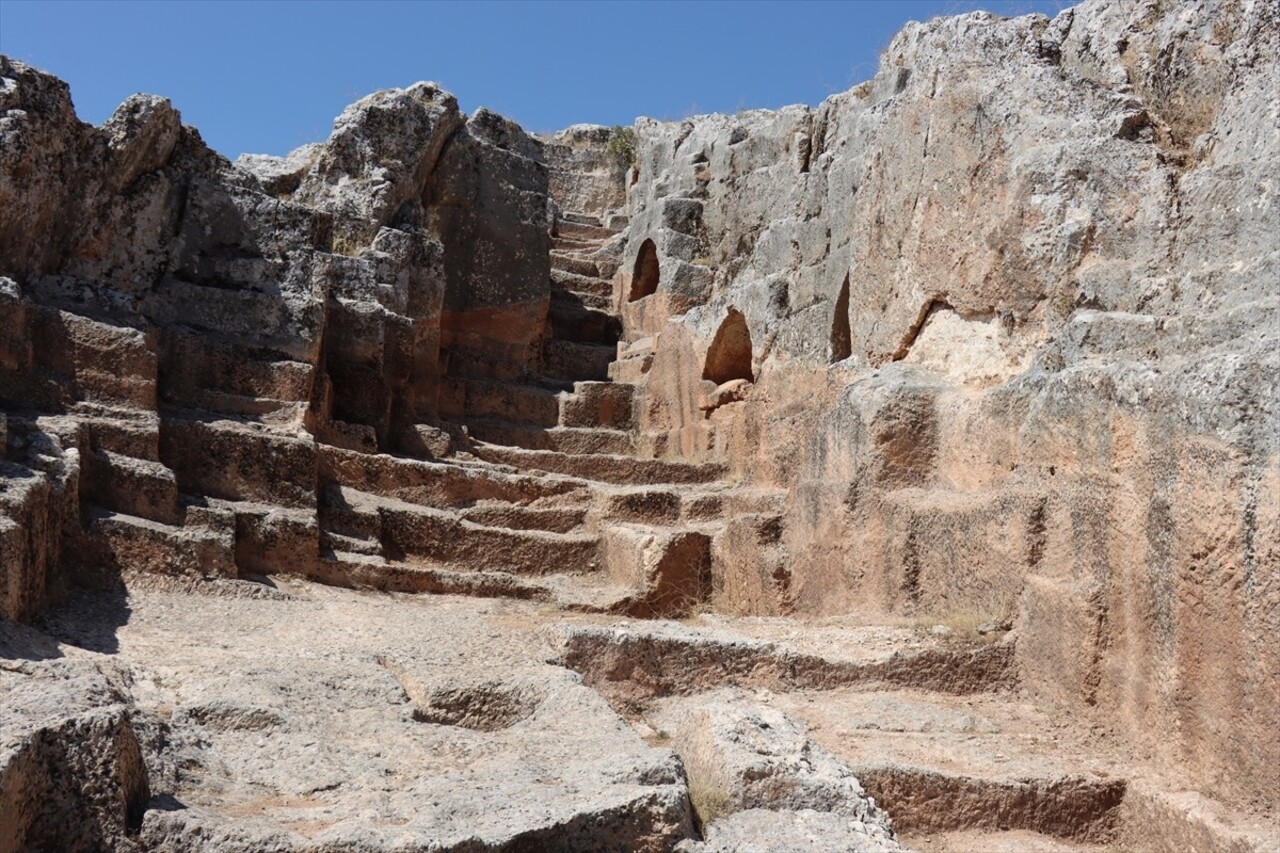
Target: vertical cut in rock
x: 729, y: 356
x: 644, y: 278
x: 927, y: 310
x: 841, y: 336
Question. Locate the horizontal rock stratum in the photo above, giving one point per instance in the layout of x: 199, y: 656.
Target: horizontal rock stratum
x: 899, y: 473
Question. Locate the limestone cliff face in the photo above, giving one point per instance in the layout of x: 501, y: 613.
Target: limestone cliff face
x: 176, y: 325
x: 585, y: 175
x: 998, y: 330
x: 1005, y: 321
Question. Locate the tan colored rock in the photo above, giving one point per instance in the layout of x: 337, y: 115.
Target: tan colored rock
x: 586, y: 177
x: 988, y: 340
x: 72, y: 773
x: 741, y: 756
x: 805, y: 831
x: 995, y: 298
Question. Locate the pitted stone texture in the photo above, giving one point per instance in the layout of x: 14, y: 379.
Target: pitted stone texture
x: 586, y: 177
x: 382, y: 149
x: 803, y: 831
x: 1013, y: 349
x: 428, y: 723
x: 740, y: 755
x: 72, y: 774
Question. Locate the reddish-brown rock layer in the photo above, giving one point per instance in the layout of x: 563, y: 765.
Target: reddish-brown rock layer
x: 1003, y: 322
x: 992, y: 338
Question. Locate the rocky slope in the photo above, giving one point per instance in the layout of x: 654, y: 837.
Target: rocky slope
x: 990, y: 340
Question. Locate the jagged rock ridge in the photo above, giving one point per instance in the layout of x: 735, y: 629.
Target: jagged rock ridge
x: 988, y: 339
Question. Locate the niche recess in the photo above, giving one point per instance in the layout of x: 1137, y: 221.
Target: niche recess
x: 644, y: 278
x: 841, y: 336
x: 730, y: 354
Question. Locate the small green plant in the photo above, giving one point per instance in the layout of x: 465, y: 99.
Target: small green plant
x: 622, y: 145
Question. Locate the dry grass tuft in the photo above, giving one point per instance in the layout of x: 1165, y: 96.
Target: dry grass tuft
x: 710, y: 802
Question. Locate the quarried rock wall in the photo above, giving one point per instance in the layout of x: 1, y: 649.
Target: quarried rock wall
x: 182, y: 333
x: 1004, y: 321
x: 991, y: 338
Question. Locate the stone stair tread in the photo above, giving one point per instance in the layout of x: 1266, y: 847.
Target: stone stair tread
x: 582, y: 440
x: 381, y: 502
x: 134, y: 485
x: 101, y: 513
x: 363, y: 571
x: 1006, y: 841
x: 581, y: 218
x: 341, y: 542
x: 575, y: 593
x: 991, y: 762
x: 88, y: 409
x: 353, y: 558
x: 137, y: 437
x: 602, y: 302
x: 578, y: 230
x: 589, y: 487
x: 630, y: 369
x: 574, y: 263
x: 606, y: 597
x: 413, y: 533
x: 598, y: 404
x: 516, y: 517
x: 576, y: 244
x: 571, y: 360
x: 448, y: 487
x: 994, y: 736
x: 578, y: 283
x: 602, y: 467
x: 697, y: 506
x: 779, y: 654
x: 154, y: 546
x: 961, y: 744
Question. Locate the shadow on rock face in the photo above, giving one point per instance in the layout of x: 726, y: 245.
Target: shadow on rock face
x: 166, y: 803
x: 22, y: 642
x: 88, y: 619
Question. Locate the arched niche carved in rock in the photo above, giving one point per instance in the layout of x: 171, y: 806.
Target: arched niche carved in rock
x: 729, y: 357
x: 644, y: 278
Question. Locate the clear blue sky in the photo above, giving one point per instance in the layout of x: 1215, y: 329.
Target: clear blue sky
x: 267, y: 77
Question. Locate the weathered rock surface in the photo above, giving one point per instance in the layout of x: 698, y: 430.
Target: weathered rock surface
x: 805, y: 831
x: 740, y: 757
x: 585, y: 176
x: 1003, y: 320
x: 990, y: 340
x: 428, y: 725
x: 72, y: 774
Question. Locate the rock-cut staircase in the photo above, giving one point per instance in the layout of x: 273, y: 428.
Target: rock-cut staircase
x: 549, y: 499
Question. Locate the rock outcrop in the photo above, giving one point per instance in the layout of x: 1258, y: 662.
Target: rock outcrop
x: 183, y: 330
x: 1004, y: 322
x: 945, y: 414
